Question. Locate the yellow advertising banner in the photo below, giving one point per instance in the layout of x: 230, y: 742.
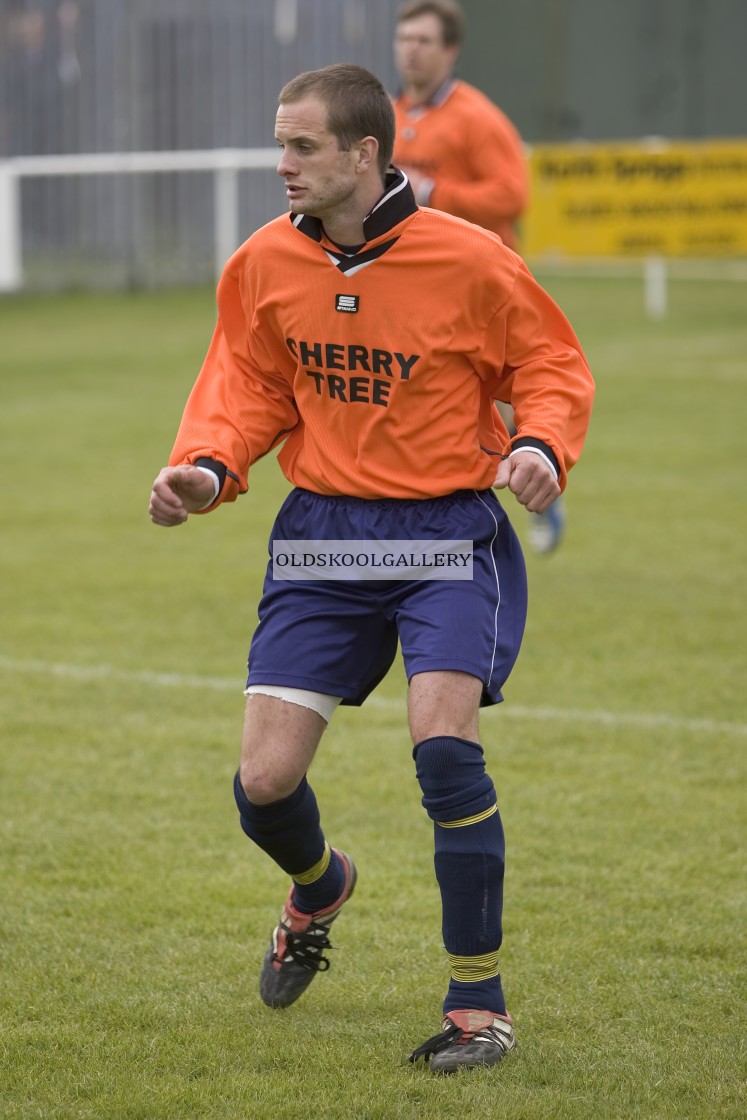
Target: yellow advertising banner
x: 634, y: 200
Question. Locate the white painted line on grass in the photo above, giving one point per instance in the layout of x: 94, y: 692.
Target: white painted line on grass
x: 230, y: 684
x: 129, y: 676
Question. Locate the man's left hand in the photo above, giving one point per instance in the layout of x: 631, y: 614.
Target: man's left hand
x: 530, y: 478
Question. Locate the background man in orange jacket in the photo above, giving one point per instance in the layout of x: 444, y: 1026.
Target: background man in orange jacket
x: 461, y: 153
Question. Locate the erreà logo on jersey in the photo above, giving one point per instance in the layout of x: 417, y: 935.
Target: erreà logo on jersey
x: 346, y: 303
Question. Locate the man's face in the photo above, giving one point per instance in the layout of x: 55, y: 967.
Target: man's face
x: 420, y: 54
x: 319, y: 178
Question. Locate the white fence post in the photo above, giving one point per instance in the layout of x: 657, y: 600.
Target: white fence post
x: 655, y: 282
x: 226, y: 222
x: 11, y: 268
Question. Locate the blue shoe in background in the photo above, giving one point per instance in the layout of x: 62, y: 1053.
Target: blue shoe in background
x: 546, y: 529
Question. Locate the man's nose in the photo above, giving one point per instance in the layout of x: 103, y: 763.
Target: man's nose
x: 284, y: 164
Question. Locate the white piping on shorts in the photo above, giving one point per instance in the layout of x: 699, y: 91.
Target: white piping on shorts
x: 319, y: 702
x: 497, y: 586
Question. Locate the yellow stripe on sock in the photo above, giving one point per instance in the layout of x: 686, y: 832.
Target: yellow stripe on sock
x: 469, y: 820
x: 471, y: 969
x: 316, y: 871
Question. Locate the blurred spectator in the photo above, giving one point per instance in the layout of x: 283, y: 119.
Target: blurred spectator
x: 461, y: 153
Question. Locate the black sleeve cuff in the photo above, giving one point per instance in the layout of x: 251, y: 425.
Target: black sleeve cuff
x: 529, y: 441
x: 220, y: 470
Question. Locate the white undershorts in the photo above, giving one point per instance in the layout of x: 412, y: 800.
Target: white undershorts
x: 319, y: 702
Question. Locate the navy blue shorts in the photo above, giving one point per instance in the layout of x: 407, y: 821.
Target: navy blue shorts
x: 340, y: 637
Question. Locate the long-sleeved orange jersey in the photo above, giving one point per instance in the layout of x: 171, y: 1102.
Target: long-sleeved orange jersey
x: 378, y: 370
x: 471, y: 151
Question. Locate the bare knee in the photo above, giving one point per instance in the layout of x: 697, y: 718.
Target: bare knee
x: 279, y: 743
x: 262, y: 785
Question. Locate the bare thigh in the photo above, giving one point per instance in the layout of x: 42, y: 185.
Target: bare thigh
x: 278, y: 745
x: 445, y: 702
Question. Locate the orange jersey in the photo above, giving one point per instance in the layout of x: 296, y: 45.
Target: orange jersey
x: 377, y: 371
x: 472, y: 153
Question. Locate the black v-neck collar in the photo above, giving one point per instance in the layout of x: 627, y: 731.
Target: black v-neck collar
x: 396, y: 204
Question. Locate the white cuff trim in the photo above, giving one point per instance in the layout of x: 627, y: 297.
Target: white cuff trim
x: 216, y: 485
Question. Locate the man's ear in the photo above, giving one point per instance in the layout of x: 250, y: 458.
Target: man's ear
x: 367, y: 151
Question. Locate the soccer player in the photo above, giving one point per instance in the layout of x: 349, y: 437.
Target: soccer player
x: 461, y: 154
x: 368, y: 338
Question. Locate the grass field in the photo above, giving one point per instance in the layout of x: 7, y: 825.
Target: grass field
x: 133, y: 913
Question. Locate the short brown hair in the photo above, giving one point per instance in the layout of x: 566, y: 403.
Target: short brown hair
x: 448, y: 12
x: 357, y: 105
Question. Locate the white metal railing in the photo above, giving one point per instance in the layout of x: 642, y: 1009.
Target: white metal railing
x: 224, y: 163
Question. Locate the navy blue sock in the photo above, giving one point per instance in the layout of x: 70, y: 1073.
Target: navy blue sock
x: 290, y: 833
x: 469, y: 860
x: 321, y: 885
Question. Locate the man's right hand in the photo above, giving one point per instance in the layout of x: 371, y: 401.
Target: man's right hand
x: 177, y: 492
